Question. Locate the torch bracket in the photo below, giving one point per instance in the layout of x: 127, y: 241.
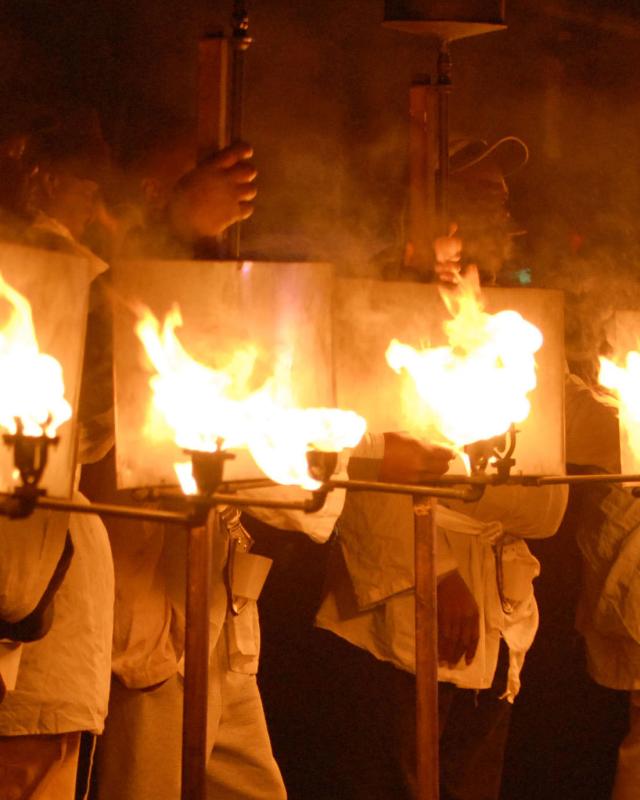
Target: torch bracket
x: 321, y: 465
x: 22, y: 502
x: 30, y: 453
x: 207, y: 468
x: 497, y: 452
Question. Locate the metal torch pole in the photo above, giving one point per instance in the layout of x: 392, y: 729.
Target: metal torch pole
x: 444, y: 86
x: 427, y: 731
x: 240, y: 41
x: 196, y: 658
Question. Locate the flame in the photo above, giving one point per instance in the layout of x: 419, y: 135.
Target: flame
x: 624, y: 381
x: 185, y: 477
x: 32, y: 382
x: 475, y: 387
x: 209, y: 408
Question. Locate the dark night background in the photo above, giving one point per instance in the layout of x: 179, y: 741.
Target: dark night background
x: 327, y: 112
x: 326, y: 104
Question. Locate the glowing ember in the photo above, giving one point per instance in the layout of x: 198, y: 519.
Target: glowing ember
x: 475, y: 387
x: 625, y: 382
x: 211, y: 408
x: 32, y: 382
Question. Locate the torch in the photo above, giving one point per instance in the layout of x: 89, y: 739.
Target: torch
x: 40, y: 361
x: 318, y: 436
x: 441, y: 21
x: 220, y: 105
x: 210, y: 411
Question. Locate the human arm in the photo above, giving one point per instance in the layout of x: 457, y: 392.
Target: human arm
x: 505, y: 512
x: 377, y: 535
x: 525, y: 512
x: 407, y: 460
x: 36, y: 553
x: 32, y: 550
x: 213, y: 195
x: 592, y: 435
x: 448, y: 253
x: 458, y: 620
x: 376, y: 528
x: 397, y: 458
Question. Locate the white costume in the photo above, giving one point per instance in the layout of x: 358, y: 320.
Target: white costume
x: 371, y: 602
x: 63, y: 682
x: 608, y: 614
x: 139, y: 754
x: 31, y: 549
x: 62, y: 686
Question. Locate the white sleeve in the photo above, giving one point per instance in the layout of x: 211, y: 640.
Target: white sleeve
x: 317, y: 526
x: 592, y: 433
x: 524, y: 511
x: 371, y: 446
x: 365, y: 459
x: 377, y: 538
x: 29, y: 552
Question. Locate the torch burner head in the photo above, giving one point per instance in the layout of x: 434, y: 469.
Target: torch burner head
x: 498, y: 451
x: 30, y: 453
x: 321, y: 465
x: 208, y: 468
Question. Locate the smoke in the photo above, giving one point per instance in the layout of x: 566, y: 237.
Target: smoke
x: 326, y: 108
x: 596, y: 265
x: 328, y: 116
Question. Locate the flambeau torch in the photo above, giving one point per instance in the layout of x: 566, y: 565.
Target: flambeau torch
x: 32, y: 402
x: 212, y: 411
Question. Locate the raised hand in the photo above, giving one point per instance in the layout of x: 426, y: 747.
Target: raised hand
x: 448, y: 250
x: 215, y: 194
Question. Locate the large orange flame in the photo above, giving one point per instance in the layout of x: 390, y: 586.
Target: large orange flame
x: 32, y: 382
x: 475, y: 387
x: 624, y: 380
x: 211, y: 408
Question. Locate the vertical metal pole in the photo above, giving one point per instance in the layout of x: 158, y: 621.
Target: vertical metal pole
x: 427, y: 731
x: 240, y: 41
x: 423, y: 162
x: 428, y: 164
x: 214, y: 59
x: 196, y: 658
x: 213, y: 94
x: 444, y: 88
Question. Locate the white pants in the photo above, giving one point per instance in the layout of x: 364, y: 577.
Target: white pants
x: 138, y: 756
x: 627, y: 783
